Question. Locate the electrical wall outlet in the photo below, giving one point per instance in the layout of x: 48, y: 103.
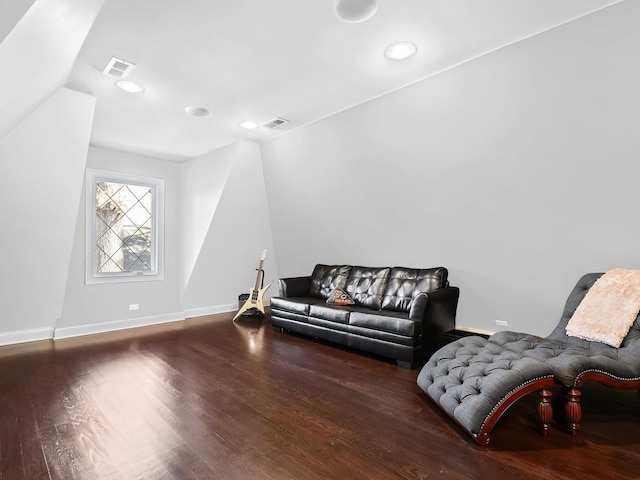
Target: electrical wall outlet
x: 502, y: 323
x: 134, y: 306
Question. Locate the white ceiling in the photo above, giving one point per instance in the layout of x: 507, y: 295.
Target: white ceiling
x: 258, y: 59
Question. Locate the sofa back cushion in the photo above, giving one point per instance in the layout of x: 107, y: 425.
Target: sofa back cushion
x: 326, y: 278
x: 367, y: 285
x: 406, y: 283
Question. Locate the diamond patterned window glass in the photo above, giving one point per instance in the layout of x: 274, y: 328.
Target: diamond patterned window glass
x: 123, y: 228
x: 123, y: 238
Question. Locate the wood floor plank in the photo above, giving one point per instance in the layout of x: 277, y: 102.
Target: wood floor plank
x: 224, y: 400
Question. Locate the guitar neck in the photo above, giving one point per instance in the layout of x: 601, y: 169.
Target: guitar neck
x: 255, y: 289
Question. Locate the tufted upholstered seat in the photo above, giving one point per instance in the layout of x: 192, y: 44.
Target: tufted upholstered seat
x: 575, y: 361
x: 475, y: 381
x: 571, y: 360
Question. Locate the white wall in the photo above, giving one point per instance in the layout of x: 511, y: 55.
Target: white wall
x: 42, y: 162
x: 225, y: 228
x: 203, y: 180
x: 216, y: 226
x: 517, y: 171
x: 105, y: 307
x: 238, y: 231
x: 235, y: 210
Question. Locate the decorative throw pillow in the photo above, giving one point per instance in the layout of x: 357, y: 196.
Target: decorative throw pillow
x: 339, y: 297
x: 609, y: 308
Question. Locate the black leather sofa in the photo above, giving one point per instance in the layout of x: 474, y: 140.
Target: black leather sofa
x: 398, y: 312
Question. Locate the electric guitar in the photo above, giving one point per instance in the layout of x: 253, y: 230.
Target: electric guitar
x: 256, y: 293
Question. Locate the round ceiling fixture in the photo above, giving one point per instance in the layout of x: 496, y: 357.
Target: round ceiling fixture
x: 248, y: 124
x: 198, y: 111
x: 355, y: 11
x: 401, y: 50
x: 129, y: 86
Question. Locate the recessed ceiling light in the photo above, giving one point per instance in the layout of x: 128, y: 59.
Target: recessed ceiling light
x: 355, y: 11
x: 248, y: 124
x: 129, y: 86
x: 400, y: 51
x: 198, y: 111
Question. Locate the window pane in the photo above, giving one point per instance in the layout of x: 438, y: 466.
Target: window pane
x: 123, y: 226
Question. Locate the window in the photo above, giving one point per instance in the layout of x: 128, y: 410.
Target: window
x: 125, y: 227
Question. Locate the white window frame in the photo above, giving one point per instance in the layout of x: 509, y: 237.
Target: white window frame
x: 92, y: 277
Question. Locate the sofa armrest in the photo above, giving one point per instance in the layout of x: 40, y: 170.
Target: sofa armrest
x: 418, y: 306
x: 294, y: 287
x: 437, y: 309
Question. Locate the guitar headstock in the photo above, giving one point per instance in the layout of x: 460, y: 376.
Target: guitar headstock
x: 264, y: 255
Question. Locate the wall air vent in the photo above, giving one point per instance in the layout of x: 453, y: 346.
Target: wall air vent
x: 118, y: 68
x: 276, y: 122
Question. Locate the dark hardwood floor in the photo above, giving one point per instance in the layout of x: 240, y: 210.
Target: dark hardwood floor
x: 218, y: 400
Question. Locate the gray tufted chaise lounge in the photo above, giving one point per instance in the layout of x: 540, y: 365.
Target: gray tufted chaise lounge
x: 575, y: 361
x: 473, y: 379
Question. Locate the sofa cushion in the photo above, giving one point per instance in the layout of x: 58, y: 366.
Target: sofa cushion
x: 367, y: 285
x: 326, y: 278
x: 326, y: 312
x: 406, y: 283
x: 393, y: 322
x: 295, y: 305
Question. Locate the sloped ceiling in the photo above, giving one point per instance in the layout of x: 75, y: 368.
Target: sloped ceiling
x: 257, y: 60
x: 38, y: 52
x: 12, y: 12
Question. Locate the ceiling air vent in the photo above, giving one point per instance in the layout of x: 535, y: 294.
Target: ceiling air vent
x: 276, y: 122
x: 118, y: 68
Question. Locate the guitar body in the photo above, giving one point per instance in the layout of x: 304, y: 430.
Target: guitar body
x: 255, y: 294
x: 254, y: 301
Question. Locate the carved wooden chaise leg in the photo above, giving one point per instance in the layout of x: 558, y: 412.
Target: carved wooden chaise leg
x: 573, y: 409
x: 545, y: 410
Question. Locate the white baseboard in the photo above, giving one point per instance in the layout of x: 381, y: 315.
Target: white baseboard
x: 68, y: 332
x: 475, y: 330
x: 23, y: 336
x: 34, y: 335
x: 201, y: 312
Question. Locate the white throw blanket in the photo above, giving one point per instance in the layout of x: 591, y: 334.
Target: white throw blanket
x: 609, y: 308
